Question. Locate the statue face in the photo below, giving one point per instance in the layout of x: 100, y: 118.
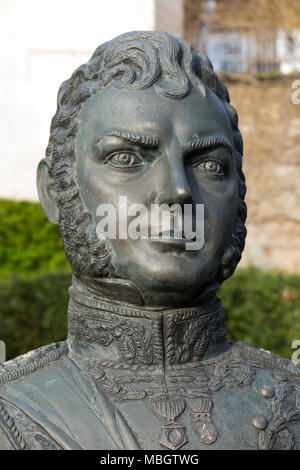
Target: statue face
x: 170, y: 172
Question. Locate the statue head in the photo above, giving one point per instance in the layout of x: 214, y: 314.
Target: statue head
x: 147, y: 118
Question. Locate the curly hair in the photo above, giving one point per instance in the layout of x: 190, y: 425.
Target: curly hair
x: 133, y: 61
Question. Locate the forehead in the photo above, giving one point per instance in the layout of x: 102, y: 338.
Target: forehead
x: 148, y: 111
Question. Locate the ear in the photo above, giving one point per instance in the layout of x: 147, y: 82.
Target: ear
x: 46, y: 190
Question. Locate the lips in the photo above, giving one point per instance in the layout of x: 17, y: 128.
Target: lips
x: 171, y: 235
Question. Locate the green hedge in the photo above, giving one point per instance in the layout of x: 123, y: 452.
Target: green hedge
x: 28, y: 241
x: 33, y: 310
x: 262, y: 308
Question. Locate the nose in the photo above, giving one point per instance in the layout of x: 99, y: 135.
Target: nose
x: 176, y: 188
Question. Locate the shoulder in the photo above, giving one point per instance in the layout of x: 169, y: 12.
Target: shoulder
x: 10, y: 436
x: 13, y: 372
x: 263, y: 359
x: 30, y: 362
x: 39, y: 393
x: 277, y: 381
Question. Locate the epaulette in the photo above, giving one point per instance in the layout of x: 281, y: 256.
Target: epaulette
x: 32, y: 361
x: 12, y: 433
x: 267, y: 359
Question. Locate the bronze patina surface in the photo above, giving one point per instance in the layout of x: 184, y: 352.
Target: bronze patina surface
x: 147, y: 364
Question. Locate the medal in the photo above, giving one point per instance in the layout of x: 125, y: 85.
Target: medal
x: 204, y: 430
x: 172, y: 434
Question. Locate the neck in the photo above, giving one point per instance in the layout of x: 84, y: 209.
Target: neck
x: 122, y: 335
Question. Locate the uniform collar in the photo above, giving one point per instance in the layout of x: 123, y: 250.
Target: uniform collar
x: 119, y: 335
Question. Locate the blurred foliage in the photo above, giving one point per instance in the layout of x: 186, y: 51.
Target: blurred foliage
x: 263, y: 308
x: 28, y: 241
x: 33, y: 310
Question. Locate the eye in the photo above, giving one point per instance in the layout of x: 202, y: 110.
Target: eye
x: 210, y: 166
x: 124, y: 160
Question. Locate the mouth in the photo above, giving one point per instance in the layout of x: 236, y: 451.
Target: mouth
x: 172, y: 238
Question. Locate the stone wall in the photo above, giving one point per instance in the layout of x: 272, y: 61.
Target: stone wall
x: 169, y: 16
x: 270, y: 125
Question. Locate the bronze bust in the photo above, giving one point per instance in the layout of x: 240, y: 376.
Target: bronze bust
x: 146, y: 364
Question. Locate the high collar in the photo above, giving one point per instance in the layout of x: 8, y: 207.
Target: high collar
x: 123, y: 337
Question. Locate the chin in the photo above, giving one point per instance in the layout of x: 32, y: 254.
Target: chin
x: 175, y: 274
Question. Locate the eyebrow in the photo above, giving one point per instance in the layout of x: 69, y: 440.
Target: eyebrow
x: 145, y: 140
x: 209, y: 142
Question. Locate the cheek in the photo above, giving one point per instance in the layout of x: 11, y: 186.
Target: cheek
x: 97, y: 185
x: 220, y: 214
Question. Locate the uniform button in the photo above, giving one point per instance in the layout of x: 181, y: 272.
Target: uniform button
x: 267, y: 391
x: 259, y: 422
x: 280, y: 377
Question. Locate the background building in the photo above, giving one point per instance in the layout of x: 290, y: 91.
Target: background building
x: 235, y: 52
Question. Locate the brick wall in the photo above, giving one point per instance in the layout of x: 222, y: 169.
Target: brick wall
x: 270, y: 125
